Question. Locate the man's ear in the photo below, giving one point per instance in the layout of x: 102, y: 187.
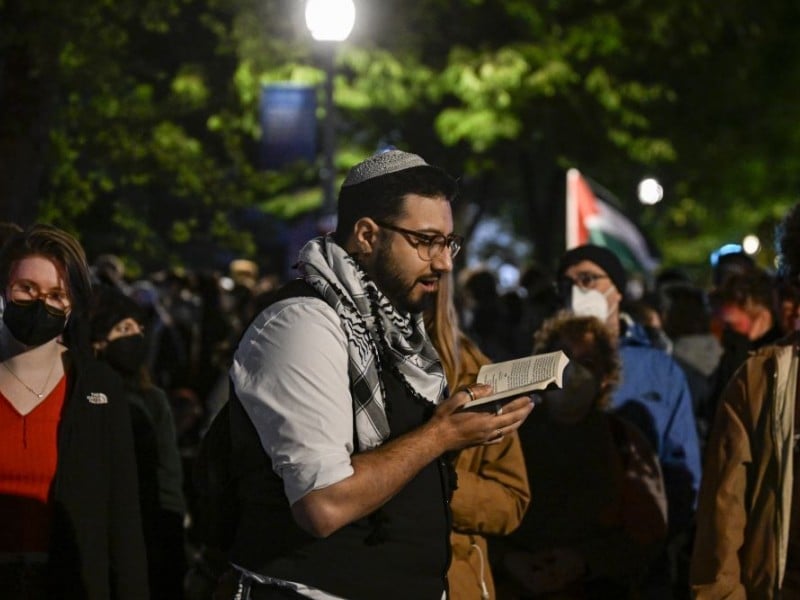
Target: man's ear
x: 365, y: 236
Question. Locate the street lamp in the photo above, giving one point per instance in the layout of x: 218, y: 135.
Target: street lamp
x: 330, y: 22
x: 650, y: 191
x: 751, y: 244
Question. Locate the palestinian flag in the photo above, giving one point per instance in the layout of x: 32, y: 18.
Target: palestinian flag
x: 594, y: 220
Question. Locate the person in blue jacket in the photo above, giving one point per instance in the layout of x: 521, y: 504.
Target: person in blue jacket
x: 653, y: 392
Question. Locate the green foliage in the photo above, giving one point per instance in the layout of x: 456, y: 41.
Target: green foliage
x: 149, y: 147
x: 147, y: 112
x: 383, y: 81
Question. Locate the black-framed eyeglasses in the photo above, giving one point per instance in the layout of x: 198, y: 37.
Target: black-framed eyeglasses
x: 428, y: 246
x: 585, y: 279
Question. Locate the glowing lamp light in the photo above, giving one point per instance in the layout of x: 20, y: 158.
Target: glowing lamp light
x: 751, y: 244
x: 650, y: 191
x: 330, y: 20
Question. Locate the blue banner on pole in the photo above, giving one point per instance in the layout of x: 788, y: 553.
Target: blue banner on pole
x: 288, y: 124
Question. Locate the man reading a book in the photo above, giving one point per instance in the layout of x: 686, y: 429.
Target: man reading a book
x: 338, y: 416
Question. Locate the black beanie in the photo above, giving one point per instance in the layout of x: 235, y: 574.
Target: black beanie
x: 602, y: 257
x: 110, y: 306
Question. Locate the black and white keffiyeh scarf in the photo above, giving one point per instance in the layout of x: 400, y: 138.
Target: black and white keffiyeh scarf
x: 373, y: 327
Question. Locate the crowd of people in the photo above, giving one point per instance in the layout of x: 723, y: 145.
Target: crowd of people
x: 208, y: 435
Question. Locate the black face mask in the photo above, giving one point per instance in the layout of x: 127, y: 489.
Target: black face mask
x: 126, y: 354
x: 575, y: 400
x: 33, y: 323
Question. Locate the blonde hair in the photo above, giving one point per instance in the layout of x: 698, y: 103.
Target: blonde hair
x: 441, y: 323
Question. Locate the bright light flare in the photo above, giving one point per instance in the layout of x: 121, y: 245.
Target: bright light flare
x: 330, y: 20
x: 650, y: 191
x: 751, y: 244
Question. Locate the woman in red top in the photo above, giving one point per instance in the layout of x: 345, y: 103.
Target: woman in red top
x: 69, y: 517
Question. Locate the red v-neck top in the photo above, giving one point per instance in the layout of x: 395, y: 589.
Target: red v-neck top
x: 28, y: 456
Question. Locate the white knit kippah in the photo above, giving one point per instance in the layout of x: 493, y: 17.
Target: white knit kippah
x: 384, y: 163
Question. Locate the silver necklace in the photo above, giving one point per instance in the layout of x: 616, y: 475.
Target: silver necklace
x: 39, y: 395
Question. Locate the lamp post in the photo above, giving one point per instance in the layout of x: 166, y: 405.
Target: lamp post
x: 330, y: 23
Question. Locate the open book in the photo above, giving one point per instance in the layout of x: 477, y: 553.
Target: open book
x: 518, y: 377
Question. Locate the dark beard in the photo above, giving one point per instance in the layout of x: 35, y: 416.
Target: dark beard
x: 387, y: 277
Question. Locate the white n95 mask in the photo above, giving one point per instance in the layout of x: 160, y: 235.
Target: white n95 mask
x: 589, y: 303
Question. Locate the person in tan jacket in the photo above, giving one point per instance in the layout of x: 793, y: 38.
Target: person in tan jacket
x: 493, y: 493
x: 747, y: 543
x: 743, y: 516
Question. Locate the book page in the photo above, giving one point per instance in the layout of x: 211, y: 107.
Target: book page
x: 519, y: 376
x: 520, y: 372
